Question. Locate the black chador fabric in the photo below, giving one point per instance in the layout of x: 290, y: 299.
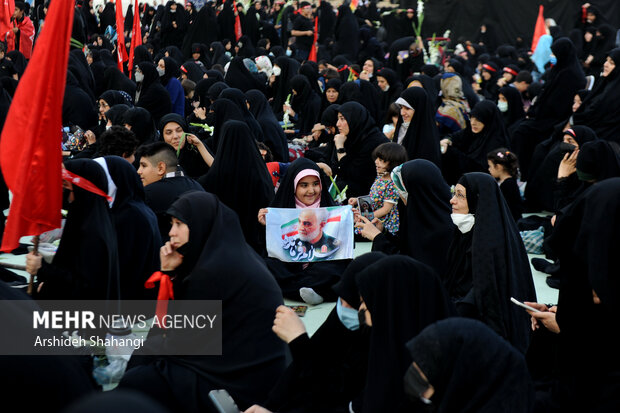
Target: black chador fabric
x: 389, y: 96
x: 240, y: 179
x: 77, y: 107
x: 173, y: 26
x: 327, y: 22
x: 151, y: 95
x: 238, y: 76
x: 246, y: 48
x: 80, y: 69
x: 193, y: 70
x: 201, y: 89
x: 107, y: 17
x: 601, y: 109
x: 329, y: 369
x: 425, y: 224
x: 319, y: 276
x: 113, y: 98
x: 217, y: 265
x: 447, y: 351
x: 310, y: 69
x: 141, y: 54
x: 429, y: 86
x: 136, y: 227
x: 539, y: 192
x: 306, y: 104
x: 115, y: 114
x: 272, y: 131
x: 171, y: 70
x: 239, y: 99
x: 468, y: 152
x: 356, y: 169
x: 422, y: 137
x: 365, y: 93
x: 218, y: 53
x: 189, y: 158
x: 85, y: 266
x: 493, y: 253
x: 553, y: 104
x: 114, y: 79
x: 223, y: 111
x: 403, y: 296
x: 282, y: 86
x: 515, y: 111
x: 142, y: 124
x: 215, y: 89
x: 585, y: 237
x: 346, y: 33
x: 202, y: 30
x: 598, y: 160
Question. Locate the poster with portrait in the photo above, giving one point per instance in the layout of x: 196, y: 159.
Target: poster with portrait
x: 310, y: 234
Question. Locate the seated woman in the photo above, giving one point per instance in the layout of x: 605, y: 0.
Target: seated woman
x: 453, y: 111
x: 305, y: 105
x: 302, y: 187
x: 466, y: 150
x: 424, y: 210
x: 328, y: 370
x: 487, y: 262
x: 210, y: 260
x: 441, y: 374
x: 399, y: 298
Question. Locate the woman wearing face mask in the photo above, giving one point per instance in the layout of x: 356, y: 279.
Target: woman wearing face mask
x: 487, y: 262
x: 417, y: 130
x: 168, y: 71
x: 441, y: 377
x: 150, y: 94
x: 466, y: 150
x: 329, y: 369
x: 284, y: 68
x: 399, y: 298
x: 510, y: 104
x: 390, y: 87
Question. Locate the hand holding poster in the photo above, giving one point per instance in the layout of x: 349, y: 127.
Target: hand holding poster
x: 310, y: 234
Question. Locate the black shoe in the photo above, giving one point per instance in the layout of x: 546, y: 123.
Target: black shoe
x: 541, y: 264
x: 553, y: 282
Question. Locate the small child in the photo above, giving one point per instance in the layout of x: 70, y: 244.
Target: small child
x: 383, y: 193
x: 504, y: 166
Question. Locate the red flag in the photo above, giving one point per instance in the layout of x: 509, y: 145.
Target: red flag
x: 30, y: 152
x: 540, y: 28
x: 121, y: 51
x: 238, y: 32
x: 6, y: 12
x: 312, y: 55
x: 136, y: 36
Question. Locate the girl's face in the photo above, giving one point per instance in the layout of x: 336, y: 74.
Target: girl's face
x: 342, y: 125
x: 486, y: 75
x: 369, y: 66
x: 406, y: 114
x: 332, y: 95
x: 381, y: 166
x: 502, y: 98
x: 608, y: 66
x: 576, y: 103
x: 179, y: 233
x: 382, y: 83
x: 308, y: 190
x: 476, y: 125
x: 495, y: 169
x: 571, y: 140
x: 459, y: 200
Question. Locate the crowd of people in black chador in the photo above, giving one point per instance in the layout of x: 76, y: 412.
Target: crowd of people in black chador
x: 229, y: 109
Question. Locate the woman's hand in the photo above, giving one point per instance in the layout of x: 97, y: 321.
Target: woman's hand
x: 287, y: 325
x: 193, y: 140
x: 546, y: 317
x: 90, y: 137
x: 352, y: 201
x: 201, y: 113
x: 339, y: 140
x: 325, y: 168
x: 289, y: 109
x: 568, y: 166
x: 168, y: 256
x: 33, y: 263
x: 369, y: 231
x: 257, y: 409
x: 262, y: 214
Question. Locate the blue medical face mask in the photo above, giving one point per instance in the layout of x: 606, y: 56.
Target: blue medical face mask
x: 289, y: 52
x: 553, y: 60
x: 348, y: 316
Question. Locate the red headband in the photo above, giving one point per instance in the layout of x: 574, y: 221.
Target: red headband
x: 511, y: 71
x: 571, y: 133
x: 84, y: 184
x: 489, y: 68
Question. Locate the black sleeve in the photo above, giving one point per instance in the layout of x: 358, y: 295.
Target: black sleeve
x: 386, y: 243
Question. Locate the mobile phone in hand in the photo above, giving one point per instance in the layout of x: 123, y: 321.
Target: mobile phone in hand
x: 520, y: 304
x: 223, y: 402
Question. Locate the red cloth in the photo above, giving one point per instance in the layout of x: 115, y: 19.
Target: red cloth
x: 540, y: 27
x: 238, y: 32
x: 6, y: 11
x: 136, y: 37
x: 84, y: 184
x: 26, y: 37
x: 30, y: 146
x: 121, y: 51
x: 312, y: 55
x: 165, y: 293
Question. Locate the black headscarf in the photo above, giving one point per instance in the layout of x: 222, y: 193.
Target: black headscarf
x: 500, y: 266
x: 238, y: 76
x: 515, y: 106
x: 136, y: 227
x: 141, y: 54
x: 240, y: 179
x: 87, y: 257
x: 153, y: 96
x: 201, y: 89
x: 403, y: 296
x: 141, y: 123
x: 428, y: 84
x: 364, y: 92
x: 202, y: 30
x: 346, y: 288
x: 215, y: 89
x: 237, y: 96
x: 171, y: 70
x: 272, y: 131
x: 428, y: 225
x: 115, y: 114
x: 422, y: 137
x: 471, y: 368
x: 306, y: 104
x: 77, y: 107
x: 218, y: 54
x: 224, y: 110
x: 282, y: 86
x: 598, y: 160
x: 285, y: 197
x: 493, y: 135
x: 346, y: 33
x: 114, y: 79
x: 395, y: 89
x: 193, y: 70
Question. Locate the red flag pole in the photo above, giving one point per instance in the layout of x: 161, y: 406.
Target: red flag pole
x: 313, y: 51
x: 136, y: 37
x: 121, y: 51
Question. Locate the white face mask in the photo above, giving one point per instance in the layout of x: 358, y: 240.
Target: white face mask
x: 465, y: 222
x: 277, y: 71
x: 289, y: 52
x: 161, y: 71
x: 502, y: 106
x: 139, y: 77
